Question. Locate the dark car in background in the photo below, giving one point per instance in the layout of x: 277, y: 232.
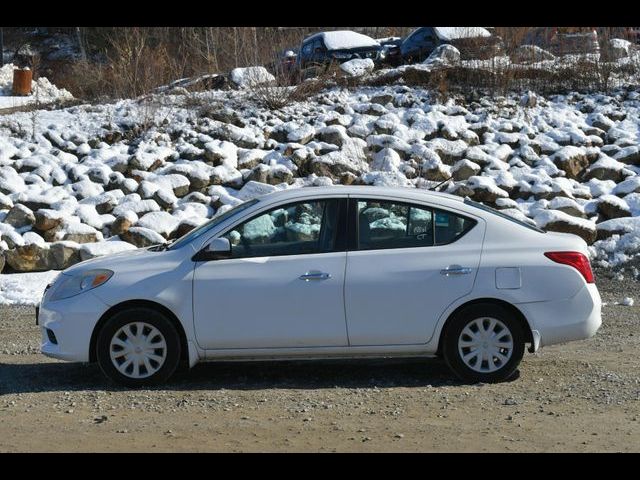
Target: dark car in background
x: 473, y: 42
x: 390, y: 53
x: 322, y: 49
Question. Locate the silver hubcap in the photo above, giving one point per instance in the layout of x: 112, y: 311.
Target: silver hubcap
x: 485, y: 345
x: 138, y: 350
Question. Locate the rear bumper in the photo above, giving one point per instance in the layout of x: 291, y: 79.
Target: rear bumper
x: 566, y: 320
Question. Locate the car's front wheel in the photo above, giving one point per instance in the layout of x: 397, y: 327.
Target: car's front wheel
x: 138, y: 347
x: 483, y: 343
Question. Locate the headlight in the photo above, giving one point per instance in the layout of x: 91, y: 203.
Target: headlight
x: 71, y: 285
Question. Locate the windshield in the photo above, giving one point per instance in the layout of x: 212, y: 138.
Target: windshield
x: 205, y: 227
x: 502, y: 215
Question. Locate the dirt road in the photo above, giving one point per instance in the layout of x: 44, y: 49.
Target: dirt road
x: 582, y: 396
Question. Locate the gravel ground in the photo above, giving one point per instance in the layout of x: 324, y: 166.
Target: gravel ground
x: 582, y: 396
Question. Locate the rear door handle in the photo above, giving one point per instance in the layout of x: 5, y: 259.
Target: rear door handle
x: 314, y: 275
x: 455, y: 270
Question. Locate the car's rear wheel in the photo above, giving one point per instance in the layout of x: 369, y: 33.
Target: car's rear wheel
x: 138, y: 347
x: 483, y: 343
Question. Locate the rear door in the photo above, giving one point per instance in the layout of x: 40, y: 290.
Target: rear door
x: 405, y: 265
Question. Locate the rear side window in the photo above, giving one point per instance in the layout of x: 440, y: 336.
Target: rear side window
x: 383, y: 224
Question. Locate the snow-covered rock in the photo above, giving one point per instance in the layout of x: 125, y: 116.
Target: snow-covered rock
x: 250, y: 76
x: 357, y: 67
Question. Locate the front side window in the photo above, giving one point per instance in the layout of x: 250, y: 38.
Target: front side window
x: 383, y: 224
x: 294, y: 229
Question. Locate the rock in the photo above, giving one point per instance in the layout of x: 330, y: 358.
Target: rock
x: 598, y: 120
x: 165, y: 198
x: 82, y: 233
x: 617, y: 48
x: 445, y: 54
x: 2, y: 260
x: 610, y: 206
x: 250, y: 76
x: 185, y: 227
x: 142, y: 237
x: 20, y: 216
x: 617, y: 227
x: 122, y: 224
x: 47, y: 219
x: 605, y: 171
x: 556, y: 221
x: 29, y: 258
x: 335, y: 135
x: 464, y: 169
x: 5, y: 202
x: 64, y: 254
x: 572, y: 160
x: 381, y: 99
x: 435, y: 172
x: 259, y: 174
x: 629, y: 155
x: 531, y: 54
x: 358, y: 67
x: 462, y: 191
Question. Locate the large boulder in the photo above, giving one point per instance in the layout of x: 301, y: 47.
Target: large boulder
x: 20, y: 216
x: 142, y: 237
x: 46, y: 219
x: 531, y: 54
x: 573, y: 160
x: 610, y: 206
x: 358, y: 67
x: 556, y: 221
x: 29, y: 258
x: 64, y: 254
x: 250, y: 76
x: 464, y: 169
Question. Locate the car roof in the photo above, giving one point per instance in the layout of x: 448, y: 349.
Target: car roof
x: 398, y: 192
x: 343, y: 40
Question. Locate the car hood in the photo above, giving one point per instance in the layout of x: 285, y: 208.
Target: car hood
x: 115, y: 260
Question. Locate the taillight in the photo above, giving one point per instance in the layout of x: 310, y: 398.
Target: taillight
x: 576, y: 260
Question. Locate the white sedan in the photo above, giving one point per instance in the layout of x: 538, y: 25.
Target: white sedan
x: 335, y: 272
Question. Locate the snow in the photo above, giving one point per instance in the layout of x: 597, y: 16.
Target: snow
x: 627, y: 302
x: 344, y: 40
x: 453, y: 33
x: 250, y: 76
x: 358, y: 67
x: 24, y: 288
x: 43, y: 91
x: 546, y: 217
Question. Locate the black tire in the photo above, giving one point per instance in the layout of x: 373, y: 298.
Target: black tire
x: 467, y: 316
x: 150, y: 317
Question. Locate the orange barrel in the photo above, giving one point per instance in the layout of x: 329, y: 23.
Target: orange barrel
x: 22, y: 82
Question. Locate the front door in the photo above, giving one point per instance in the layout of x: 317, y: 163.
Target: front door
x: 409, y: 264
x: 283, y: 285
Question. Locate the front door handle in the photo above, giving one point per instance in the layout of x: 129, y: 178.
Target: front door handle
x: 455, y: 270
x: 315, y: 275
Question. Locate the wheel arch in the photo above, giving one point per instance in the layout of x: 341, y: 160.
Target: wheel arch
x: 526, y: 327
x: 184, y: 352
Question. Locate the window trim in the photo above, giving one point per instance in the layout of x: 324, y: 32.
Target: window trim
x: 340, y: 239
x: 354, y: 233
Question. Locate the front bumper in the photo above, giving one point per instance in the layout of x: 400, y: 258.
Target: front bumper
x: 72, y: 321
x: 560, y: 321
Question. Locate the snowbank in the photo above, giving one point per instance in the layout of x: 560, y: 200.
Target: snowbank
x: 43, y: 90
x: 24, y: 288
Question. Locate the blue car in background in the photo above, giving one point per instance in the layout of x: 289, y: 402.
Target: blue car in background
x: 421, y: 42
x: 322, y: 49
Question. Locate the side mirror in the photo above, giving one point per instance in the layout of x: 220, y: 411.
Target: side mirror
x: 218, y: 249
